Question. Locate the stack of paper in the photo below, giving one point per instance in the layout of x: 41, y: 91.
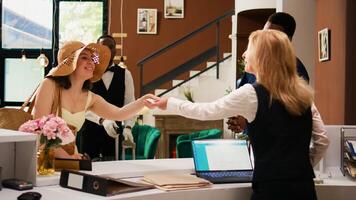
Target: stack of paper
x: 169, y: 182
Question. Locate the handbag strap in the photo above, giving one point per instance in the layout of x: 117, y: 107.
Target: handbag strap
x: 57, y: 106
x: 28, y: 101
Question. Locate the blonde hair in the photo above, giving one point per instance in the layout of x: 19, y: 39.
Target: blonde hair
x: 275, y: 67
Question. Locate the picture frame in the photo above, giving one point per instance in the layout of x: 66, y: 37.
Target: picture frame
x: 173, y: 8
x: 324, y: 44
x: 146, y: 21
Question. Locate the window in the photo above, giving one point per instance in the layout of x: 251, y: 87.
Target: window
x: 81, y: 21
x: 18, y: 85
x: 29, y: 26
x: 25, y: 26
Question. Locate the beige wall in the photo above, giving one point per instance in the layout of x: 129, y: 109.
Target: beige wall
x: 304, y: 42
x: 196, y: 14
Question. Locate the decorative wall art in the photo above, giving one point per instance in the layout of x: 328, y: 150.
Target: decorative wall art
x: 324, y: 44
x: 146, y: 21
x: 173, y: 8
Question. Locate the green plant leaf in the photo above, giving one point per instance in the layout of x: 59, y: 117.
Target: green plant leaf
x: 188, y: 94
x: 241, y: 65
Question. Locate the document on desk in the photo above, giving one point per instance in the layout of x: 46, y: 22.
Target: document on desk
x: 104, y: 186
x: 170, y: 181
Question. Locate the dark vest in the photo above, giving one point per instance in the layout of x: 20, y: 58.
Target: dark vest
x: 116, y: 92
x: 93, y: 137
x: 280, y: 141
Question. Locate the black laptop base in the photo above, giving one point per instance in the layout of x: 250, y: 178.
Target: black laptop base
x: 243, y: 177
x: 228, y: 180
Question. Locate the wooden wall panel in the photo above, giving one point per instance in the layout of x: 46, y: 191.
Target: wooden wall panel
x: 330, y: 75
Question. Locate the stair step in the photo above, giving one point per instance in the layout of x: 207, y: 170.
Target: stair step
x: 193, y: 72
x: 173, y: 93
x: 226, y: 54
x: 176, y: 82
x: 209, y: 64
x: 209, y: 77
x: 159, y: 91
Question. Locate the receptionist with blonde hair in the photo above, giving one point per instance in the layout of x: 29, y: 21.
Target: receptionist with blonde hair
x: 280, y: 111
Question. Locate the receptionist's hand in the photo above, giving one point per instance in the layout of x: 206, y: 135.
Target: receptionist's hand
x: 161, y: 103
x: 237, y: 124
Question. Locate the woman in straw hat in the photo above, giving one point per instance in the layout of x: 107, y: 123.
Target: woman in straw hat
x: 281, y: 114
x: 78, y: 66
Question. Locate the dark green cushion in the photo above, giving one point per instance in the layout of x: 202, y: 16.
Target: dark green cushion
x: 146, y: 138
x: 184, y: 142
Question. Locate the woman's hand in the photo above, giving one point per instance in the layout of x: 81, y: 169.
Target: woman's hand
x: 152, y: 101
x: 149, y: 100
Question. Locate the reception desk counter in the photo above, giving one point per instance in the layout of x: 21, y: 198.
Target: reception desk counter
x: 335, y: 185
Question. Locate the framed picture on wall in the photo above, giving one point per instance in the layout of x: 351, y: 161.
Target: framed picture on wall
x: 173, y: 8
x: 324, y: 44
x: 146, y: 21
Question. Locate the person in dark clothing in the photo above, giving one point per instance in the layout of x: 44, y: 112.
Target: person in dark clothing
x: 281, y: 114
x: 278, y: 21
x: 116, y: 86
x: 250, y: 78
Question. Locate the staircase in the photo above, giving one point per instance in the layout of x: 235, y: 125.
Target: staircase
x: 204, y: 88
x: 205, y: 85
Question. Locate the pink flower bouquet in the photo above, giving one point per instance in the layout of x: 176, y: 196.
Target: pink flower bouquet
x: 53, y: 130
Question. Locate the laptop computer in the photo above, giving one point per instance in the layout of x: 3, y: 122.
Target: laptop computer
x: 222, y: 161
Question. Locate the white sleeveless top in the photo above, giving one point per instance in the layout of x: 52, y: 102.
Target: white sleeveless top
x: 76, y: 119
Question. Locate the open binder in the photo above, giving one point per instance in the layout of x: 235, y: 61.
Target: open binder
x: 99, y: 185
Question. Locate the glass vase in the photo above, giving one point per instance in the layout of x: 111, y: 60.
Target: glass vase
x: 45, y: 161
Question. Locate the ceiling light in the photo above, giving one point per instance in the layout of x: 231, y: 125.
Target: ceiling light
x: 23, y: 55
x: 42, y: 59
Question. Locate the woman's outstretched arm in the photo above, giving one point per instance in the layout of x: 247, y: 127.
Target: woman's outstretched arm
x: 109, y: 111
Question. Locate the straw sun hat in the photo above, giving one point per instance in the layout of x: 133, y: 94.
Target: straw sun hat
x: 68, y: 56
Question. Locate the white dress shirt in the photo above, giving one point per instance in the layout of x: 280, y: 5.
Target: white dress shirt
x: 243, y: 101
x: 128, y: 98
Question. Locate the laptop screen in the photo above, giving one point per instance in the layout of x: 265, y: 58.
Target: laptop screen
x: 216, y: 155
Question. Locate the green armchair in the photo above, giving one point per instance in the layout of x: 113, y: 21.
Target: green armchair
x: 184, y: 142
x: 146, y: 138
